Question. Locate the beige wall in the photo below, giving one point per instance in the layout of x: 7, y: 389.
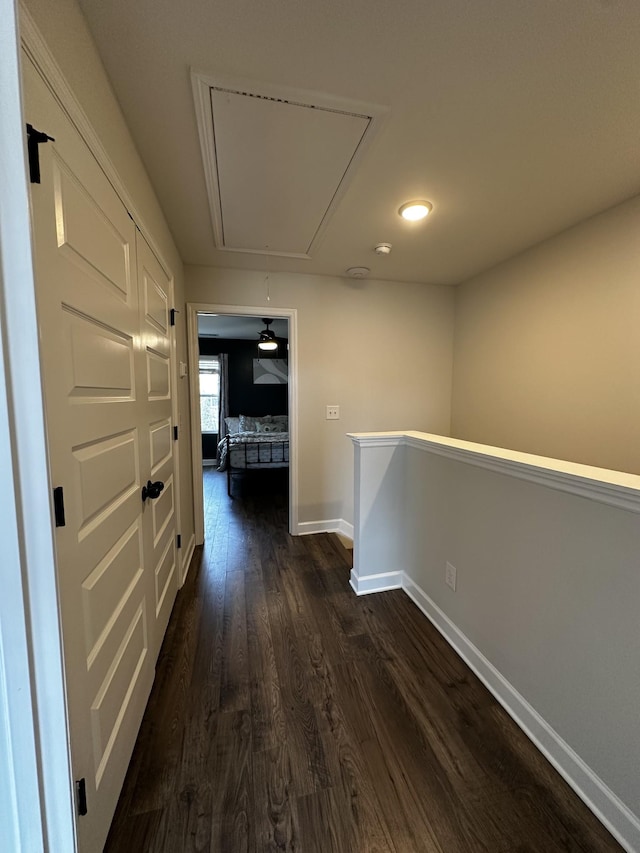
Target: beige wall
x: 64, y: 30
x: 386, y: 363
x: 547, y: 347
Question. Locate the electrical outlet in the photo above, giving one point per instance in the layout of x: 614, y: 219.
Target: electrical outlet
x: 333, y: 413
x: 450, y: 576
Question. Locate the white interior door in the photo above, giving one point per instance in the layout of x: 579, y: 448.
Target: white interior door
x: 103, y: 317
x: 154, y: 383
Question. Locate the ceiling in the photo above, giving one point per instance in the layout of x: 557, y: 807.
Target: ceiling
x: 516, y: 120
x: 239, y: 328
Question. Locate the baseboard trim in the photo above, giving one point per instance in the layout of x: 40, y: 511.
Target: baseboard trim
x: 329, y: 525
x: 600, y: 799
x: 188, y: 555
x: 375, y: 583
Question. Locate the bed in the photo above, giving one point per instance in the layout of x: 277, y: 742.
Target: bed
x: 253, y: 444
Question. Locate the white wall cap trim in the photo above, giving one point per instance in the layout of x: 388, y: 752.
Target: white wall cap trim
x: 615, y: 488
x: 377, y: 439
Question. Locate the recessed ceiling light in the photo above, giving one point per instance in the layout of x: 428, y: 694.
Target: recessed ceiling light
x: 415, y: 210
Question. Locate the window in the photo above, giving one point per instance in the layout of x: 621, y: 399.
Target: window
x: 209, y: 368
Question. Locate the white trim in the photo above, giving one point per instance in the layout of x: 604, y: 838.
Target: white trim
x: 36, y: 795
x: 382, y: 582
x: 329, y: 525
x: 384, y: 439
x: 188, y: 555
x: 289, y: 314
x: 193, y: 360
x: 175, y: 422
x: 202, y: 83
x: 614, y: 488
x: 602, y: 801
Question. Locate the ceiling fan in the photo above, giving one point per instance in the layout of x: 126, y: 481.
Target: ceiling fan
x: 267, y: 341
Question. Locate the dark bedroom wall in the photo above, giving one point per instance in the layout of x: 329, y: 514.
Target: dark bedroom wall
x: 245, y: 398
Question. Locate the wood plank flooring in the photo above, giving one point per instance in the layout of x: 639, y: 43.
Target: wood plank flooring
x: 289, y: 715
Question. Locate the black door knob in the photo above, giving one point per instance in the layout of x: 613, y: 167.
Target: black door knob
x: 152, y: 490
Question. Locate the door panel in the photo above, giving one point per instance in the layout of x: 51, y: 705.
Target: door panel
x: 111, y: 704
x: 106, y: 473
x: 156, y: 305
x: 88, y: 235
x: 109, y: 426
x: 101, y: 360
x: 164, y: 576
x: 103, y: 597
x: 161, y: 445
x: 160, y: 517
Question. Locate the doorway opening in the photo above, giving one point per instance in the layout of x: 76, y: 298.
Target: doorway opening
x: 243, y: 403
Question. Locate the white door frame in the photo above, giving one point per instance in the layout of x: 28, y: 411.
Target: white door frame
x: 290, y: 314
x: 36, y: 794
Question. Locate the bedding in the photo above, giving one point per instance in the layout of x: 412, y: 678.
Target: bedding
x: 233, y: 425
x: 249, y: 449
x: 259, y: 443
x: 248, y: 423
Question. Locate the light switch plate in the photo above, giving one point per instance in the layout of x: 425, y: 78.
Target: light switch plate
x: 333, y: 413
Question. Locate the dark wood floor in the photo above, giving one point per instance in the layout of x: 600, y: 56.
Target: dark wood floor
x: 290, y: 715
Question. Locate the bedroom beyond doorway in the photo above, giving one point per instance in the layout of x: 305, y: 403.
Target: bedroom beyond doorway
x: 243, y: 400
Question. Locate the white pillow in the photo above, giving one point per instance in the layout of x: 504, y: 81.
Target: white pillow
x: 247, y: 424
x: 233, y: 425
x: 282, y: 422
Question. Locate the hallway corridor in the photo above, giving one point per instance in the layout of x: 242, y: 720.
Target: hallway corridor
x: 290, y: 715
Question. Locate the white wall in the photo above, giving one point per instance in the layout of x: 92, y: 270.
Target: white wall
x: 65, y: 32
x: 380, y: 350
x: 547, y: 349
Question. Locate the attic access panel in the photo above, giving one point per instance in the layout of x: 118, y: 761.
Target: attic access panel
x: 276, y: 162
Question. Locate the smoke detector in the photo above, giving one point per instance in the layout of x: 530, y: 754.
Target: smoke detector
x: 358, y: 272
x: 383, y: 249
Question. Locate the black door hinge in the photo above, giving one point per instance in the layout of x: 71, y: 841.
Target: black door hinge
x: 58, y: 506
x: 34, y: 139
x: 172, y: 316
x: 175, y: 433
x: 81, y: 794
x: 178, y: 541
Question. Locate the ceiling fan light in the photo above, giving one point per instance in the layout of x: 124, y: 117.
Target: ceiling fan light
x: 267, y: 341
x: 413, y: 211
x: 268, y: 345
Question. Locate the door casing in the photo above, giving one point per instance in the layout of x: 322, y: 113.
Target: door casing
x: 290, y: 314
